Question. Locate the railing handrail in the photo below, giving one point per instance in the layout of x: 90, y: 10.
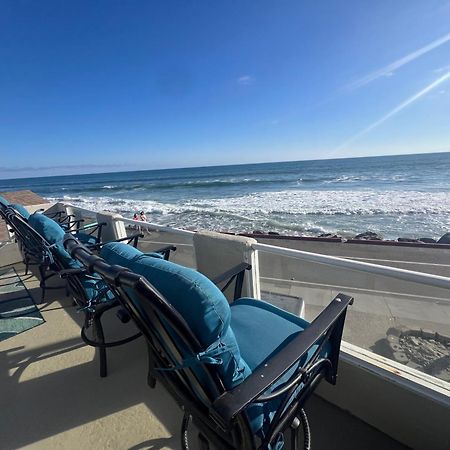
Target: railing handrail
x: 359, y: 266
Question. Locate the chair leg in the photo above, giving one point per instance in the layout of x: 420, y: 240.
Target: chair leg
x: 42, y: 283
x: 295, y: 429
x: 151, y: 380
x: 203, y: 442
x: 100, y: 338
x: 187, y: 419
x: 300, y: 423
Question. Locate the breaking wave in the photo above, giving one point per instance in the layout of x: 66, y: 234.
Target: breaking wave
x: 247, y: 183
x: 296, y: 212
x: 407, y: 196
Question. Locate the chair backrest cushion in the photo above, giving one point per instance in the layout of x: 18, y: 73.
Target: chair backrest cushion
x: 53, y: 234
x: 196, y: 298
x: 3, y: 201
x: 21, y: 210
x: 120, y: 254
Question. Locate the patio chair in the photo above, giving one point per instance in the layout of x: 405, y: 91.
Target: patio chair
x: 89, y: 234
x: 241, y: 372
x: 4, y: 203
x: 41, y: 244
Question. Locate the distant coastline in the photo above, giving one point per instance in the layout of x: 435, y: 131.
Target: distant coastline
x: 130, y: 171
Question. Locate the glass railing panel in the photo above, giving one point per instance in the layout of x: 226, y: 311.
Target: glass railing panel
x: 404, y: 321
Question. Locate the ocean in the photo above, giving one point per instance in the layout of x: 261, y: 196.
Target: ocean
x: 394, y: 196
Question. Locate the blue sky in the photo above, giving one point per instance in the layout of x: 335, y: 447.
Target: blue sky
x: 89, y: 86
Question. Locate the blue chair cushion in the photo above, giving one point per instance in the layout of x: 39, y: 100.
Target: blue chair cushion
x: 97, y: 291
x: 21, y: 210
x: 197, y: 299
x: 85, y: 238
x: 3, y: 201
x: 261, y: 331
x: 121, y: 254
x: 53, y: 234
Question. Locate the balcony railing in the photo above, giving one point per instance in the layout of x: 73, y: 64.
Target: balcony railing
x: 400, y: 319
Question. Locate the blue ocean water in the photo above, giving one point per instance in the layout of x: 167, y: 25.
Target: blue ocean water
x: 395, y: 196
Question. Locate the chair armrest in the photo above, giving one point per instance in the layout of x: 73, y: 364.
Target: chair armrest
x: 66, y: 218
x: 235, y: 272
x: 165, y: 251
x: 231, y: 403
x: 134, y: 237
x: 231, y: 272
x: 90, y: 229
x: 70, y: 224
x: 52, y: 215
x: 93, y: 227
x: 88, y: 226
x: 67, y: 272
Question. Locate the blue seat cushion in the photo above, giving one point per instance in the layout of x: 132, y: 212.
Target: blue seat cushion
x: 97, y: 291
x: 3, y: 201
x: 261, y: 331
x: 21, y: 210
x: 197, y: 299
x: 85, y: 238
x: 53, y: 234
x: 121, y: 254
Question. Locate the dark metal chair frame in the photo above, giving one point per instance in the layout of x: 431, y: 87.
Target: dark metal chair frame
x: 94, y: 313
x: 36, y: 251
x: 66, y: 221
x: 70, y: 224
x: 220, y: 415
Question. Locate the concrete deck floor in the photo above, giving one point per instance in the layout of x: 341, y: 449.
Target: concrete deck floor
x: 51, y: 395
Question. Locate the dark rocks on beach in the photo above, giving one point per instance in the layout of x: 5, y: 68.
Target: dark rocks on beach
x: 329, y: 235
x: 273, y: 233
x: 444, y: 239
x: 369, y: 236
x: 407, y: 240
x: 427, y: 240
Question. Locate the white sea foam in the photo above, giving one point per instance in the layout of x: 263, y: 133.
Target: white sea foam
x: 393, y: 213
x: 331, y: 203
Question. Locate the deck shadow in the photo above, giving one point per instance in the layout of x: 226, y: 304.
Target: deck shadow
x: 55, y: 402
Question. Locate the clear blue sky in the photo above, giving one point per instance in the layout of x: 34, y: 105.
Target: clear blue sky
x: 90, y: 86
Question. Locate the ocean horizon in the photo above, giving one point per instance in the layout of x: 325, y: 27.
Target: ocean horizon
x: 394, y: 196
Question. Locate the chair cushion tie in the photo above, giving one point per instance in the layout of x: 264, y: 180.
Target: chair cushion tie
x: 210, y: 356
